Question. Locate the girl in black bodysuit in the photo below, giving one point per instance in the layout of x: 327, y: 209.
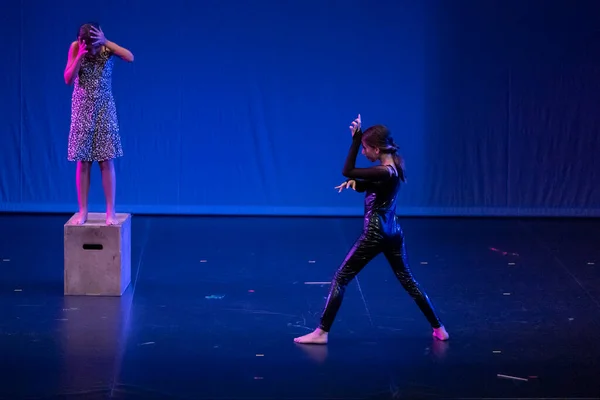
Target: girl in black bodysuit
x: 381, y: 230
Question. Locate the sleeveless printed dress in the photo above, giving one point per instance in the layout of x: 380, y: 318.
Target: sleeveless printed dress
x: 94, y: 132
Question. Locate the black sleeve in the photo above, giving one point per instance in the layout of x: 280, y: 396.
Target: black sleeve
x: 362, y: 186
x: 377, y: 173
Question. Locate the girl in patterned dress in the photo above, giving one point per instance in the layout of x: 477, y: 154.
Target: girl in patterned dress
x: 94, y: 133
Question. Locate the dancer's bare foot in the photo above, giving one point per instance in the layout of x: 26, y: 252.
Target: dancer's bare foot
x: 318, y: 336
x: 440, y: 333
x: 81, y: 218
x: 111, y: 219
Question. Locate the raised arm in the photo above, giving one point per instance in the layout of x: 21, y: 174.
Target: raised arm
x: 117, y: 50
x: 99, y: 38
x: 76, y: 53
x: 377, y: 173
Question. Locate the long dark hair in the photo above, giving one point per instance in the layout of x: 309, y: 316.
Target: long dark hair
x: 380, y: 137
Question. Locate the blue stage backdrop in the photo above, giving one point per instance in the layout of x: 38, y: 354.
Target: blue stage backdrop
x: 242, y: 107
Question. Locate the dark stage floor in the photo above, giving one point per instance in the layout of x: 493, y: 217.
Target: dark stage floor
x: 216, y: 302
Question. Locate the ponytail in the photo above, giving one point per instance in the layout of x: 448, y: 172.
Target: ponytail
x: 398, y: 161
x: 378, y: 136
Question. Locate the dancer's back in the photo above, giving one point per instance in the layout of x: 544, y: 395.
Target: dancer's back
x: 380, y: 202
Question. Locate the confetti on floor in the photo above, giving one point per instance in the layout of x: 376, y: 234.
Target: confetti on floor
x: 515, y: 378
x: 504, y: 253
x: 185, y: 326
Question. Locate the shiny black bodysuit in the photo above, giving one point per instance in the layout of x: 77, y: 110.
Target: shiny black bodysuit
x: 381, y: 234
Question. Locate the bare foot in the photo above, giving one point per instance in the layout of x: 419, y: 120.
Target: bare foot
x: 111, y: 220
x: 440, y: 333
x: 318, y: 336
x: 81, y: 218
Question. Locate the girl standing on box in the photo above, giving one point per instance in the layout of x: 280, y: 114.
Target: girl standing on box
x: 94, y: 132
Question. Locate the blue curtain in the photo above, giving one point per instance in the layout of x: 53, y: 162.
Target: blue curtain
x: 242, y: 107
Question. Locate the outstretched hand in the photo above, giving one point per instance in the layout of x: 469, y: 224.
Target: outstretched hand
x: 355, y: 125
x: 346, y: 185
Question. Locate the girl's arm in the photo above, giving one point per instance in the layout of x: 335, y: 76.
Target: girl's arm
x: 98, y: 36
x: 117, y: 50
x: 362, y: 186
x: 377, y: 173
x: 73, y: 62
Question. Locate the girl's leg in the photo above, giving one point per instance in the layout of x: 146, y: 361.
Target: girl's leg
x: 395, y: 253
x: 82, y: 181
x: 109, y: 183
x: 363, y: 251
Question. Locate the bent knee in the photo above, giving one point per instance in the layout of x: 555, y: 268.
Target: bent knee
x: 342, y: 278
